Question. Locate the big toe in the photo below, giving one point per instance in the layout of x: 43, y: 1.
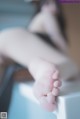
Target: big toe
x: 46, y: 105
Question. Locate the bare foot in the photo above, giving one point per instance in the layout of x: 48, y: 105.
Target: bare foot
x: 46, y: 87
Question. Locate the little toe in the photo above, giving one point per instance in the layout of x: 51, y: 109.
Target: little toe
x: 57, y: 83
x: 55, y: 91
x: 55, y: 75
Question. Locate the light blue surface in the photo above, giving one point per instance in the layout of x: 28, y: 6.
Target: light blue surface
x: 15, y: 13
x: 13, y: 20
x: 23, y: 108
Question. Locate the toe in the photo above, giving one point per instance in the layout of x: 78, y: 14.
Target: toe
x: 55, y: 92
x: 55, y: 75
x: 57, y: 83
x: 47, y: 106
x: 50, y: 98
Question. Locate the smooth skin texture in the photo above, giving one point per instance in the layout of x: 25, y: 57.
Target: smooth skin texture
x: 39, y: 57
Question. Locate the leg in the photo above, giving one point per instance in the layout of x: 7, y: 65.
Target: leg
x: 23, y: 47
x: 30, y: 51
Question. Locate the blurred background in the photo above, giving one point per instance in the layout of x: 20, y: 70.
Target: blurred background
x: 18, y: 13
x: 15, y: 13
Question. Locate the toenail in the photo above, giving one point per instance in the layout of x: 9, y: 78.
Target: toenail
x: 57, y: 83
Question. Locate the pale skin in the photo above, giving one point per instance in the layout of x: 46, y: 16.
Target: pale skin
x: 39, y: 57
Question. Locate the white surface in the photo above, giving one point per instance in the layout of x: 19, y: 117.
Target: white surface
x: 68, y: 101
x: 26, y: 91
